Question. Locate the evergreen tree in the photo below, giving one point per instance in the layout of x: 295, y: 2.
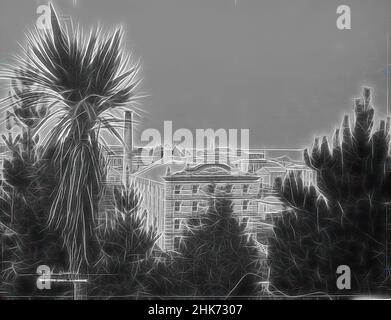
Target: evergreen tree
x: 218, y: 256
x: 25, y: 204
x: 127, y: 245
x: 7, y: 236
x: 295, y: 254
x: 344, y: 220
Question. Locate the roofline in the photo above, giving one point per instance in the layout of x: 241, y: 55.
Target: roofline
x: 208, y: 178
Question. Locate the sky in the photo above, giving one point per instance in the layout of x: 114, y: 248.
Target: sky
x: 281, y: 69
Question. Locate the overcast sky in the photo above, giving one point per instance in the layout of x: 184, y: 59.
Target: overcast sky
x: 279, y: 68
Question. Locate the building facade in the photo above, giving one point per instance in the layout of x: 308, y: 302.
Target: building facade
x: 186, y: 197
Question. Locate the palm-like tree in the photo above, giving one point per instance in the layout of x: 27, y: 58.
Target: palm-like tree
x: 85, y: 80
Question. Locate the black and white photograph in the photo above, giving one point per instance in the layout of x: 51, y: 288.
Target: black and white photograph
x: 195, y: 150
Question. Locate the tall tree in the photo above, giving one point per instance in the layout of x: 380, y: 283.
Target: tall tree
x: 25, y: 202
x: 84, y: 80
x: 218, y: 255
x: 353, y: 182
x: 296, y: 252
x: 127, y: 244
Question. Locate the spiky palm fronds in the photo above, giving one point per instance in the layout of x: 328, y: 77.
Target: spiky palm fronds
x: 84, y: 80
x: 67, y: 68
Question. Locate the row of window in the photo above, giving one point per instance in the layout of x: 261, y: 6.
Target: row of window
x: 116, y: 162
x: 178, y: 205
x: 195, y: 188
x: 195, y: 205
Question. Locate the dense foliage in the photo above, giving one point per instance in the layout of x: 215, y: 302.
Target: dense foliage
x: 343, y: 221
x: 127, y: 246
x: 218, y: 256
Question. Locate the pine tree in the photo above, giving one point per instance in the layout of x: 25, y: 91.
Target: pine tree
x: 353, y: 182
x: 295, y: 252
x: 25, y: 203
x: 127, y: 245
x: 217, y: 255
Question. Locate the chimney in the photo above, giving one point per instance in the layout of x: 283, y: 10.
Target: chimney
x: 128, y: 141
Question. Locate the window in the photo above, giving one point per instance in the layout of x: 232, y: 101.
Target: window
x: 195, y: 206
x: 177, y: 189
x: 229, y: 188
x: 195, y: 188
x: 177, y: 241
x: 116, y: 162
x: 245, y: 204
x: 177, y: 206
x: 245, y: 188
x: 177, y: 224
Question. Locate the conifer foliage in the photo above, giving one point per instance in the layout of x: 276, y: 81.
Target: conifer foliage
x: 25, y: 202
x: 127, y: 243
x: 219, y: 256
x: 343, y: 221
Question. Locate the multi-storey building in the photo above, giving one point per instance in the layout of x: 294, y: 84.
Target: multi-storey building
x: 186, y: 197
